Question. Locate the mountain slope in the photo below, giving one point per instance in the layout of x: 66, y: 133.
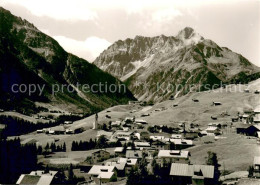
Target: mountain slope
x: 156, y: 68
x: 28, y: 56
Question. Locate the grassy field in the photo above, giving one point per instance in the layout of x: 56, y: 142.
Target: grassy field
x: 248, y: 182
x: 235, y: 152
x: 73, y: 157
x: 24, y: 117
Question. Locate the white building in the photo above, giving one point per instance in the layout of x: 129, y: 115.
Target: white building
x: 173, y: 156
x: 102, y: 174
x: 39, y: 178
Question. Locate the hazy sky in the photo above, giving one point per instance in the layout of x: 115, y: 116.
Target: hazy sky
x: 87, y: 27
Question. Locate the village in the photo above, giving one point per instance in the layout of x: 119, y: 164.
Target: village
x: 115, y: 149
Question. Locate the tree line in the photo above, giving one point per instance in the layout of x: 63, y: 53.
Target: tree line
x: 17, y: 126
x: 16, y: 159
x: 94, y: 144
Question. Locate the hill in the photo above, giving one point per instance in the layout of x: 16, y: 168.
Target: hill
x: 30, y: 57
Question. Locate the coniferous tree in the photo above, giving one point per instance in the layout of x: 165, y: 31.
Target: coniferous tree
x: 213, y: 160
x: 64, y: 147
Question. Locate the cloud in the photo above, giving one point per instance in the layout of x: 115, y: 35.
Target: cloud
x: 88, y: 49
x: 57, y: 9
x: 166, y: 15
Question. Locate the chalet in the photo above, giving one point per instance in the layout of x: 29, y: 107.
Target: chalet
x: 252, y: 130
x: 257, y: 92
x: 52, y: 132
x: 131, y: 163
x: 129, y: 119
x: 140, y: 121
x: 191, y: 134
x: 142, y: 145
x: 155, y: 138
x: 257, y: 111
x: 38, y: 178
x: 108, y: 116
x: 256, y: 119
x: 102, y: 174
x: 124, y: 135
x: 215, y: 103
x: 235, y: 119
x: 145, y: 115
x: 180, y: 144
x: 241, y: 128
x: 69, y: 131
x: 116, y: 123
x: 68, y: 122
x: 159, y: 145
x: 176, y: 156
x: 135, y: 154
x: 248, y: 130
x: 107, y: 135
x: 192, y: 174
x: 144, y: 136
x: 39, y: 131
x: 119, y: 151
x: 215, y: 125
x: 195, y: 100
x: 245, y: 118
x: 120, y: 166
x: 248, y: 111
x: 59, y: 130
x: 257, y: 167
x: 100, y: 155
x: 213, y: 131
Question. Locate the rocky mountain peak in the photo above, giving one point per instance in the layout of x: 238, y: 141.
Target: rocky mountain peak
x: 186, y: 58
x: 186, y: 33
x: 189, y: 36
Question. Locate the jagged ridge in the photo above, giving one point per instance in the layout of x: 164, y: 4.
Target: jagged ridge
x: 187, y: 58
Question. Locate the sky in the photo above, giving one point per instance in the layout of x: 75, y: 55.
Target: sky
x: 87, y: 27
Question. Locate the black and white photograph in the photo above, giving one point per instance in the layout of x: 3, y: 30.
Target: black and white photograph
x: 130, y: 92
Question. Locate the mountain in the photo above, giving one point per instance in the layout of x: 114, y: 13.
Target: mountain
x: 28, y: 56
x: 157, y: 68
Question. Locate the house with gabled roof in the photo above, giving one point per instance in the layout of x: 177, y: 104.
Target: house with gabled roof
x: 176, y: 156
x: 103, y: 174
x: 120, y: 166
x: 256, y: 166
x: 130, y: 164
x: 142, y: 145
x: 135, y: 154
x: 192, y: 174
x: 160, y: 145
x: 180, y: 144
x: 100, y: 155
x: 37, y: 178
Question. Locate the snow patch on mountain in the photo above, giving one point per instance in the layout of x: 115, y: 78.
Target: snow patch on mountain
x: 138, y: 64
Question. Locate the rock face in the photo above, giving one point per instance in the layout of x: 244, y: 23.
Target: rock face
x: 28, y: 56
x: 156, y: 68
